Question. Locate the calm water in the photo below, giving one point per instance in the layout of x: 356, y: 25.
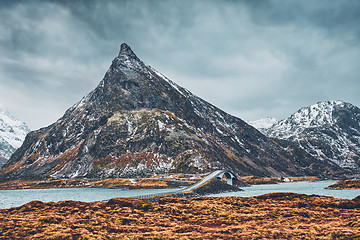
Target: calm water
x: 14, y: 198
x: 295, y: 187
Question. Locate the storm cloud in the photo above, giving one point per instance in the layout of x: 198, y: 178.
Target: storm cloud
x: 251, y: 58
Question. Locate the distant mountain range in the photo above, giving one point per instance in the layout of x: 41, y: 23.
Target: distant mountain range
x: 137, y: 122
x: 328, y: 130
x: 12, y: 134
x: 263, y: 124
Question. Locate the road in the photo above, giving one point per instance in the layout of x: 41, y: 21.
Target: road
x: 190, y: 188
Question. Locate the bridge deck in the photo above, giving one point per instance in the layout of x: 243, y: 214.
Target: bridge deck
x: 190, y: 188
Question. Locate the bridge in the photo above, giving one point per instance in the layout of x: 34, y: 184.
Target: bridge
x: 219, y: 174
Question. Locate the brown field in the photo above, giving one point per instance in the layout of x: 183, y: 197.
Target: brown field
x: 254, y: 180
x: 126, y: 183
x: 306, y: 178
x: 346, y: 184
x: 44, y: 184
x: 271, y: 216
x: 142, y: 183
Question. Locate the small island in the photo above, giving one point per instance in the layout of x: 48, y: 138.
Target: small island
x: 346, y: 184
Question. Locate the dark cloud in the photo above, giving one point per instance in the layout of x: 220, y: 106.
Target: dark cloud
x: 251, y: 58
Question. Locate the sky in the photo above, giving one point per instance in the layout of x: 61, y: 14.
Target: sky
x: 253, y: 59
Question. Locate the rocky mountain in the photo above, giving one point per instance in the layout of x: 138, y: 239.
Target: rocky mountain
x: 12, y: 134
x: 327, y: 130
x: 137, y: 122
x: 3, y: 161
x: 263, y: 124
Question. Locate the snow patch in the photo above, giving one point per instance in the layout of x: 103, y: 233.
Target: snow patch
x: 263, y: 124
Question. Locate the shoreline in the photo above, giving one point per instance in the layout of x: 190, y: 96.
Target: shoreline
x: 269, y: 216
x: 141, y: 183
x: 128, y: 184
x: 349, y: 184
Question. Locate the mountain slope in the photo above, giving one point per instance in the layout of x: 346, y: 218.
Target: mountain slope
x: 327, y: 130
x: 137, y: 122
x: 12, y: 134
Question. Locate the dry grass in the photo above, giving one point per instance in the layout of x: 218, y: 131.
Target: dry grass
x: 143, y: 183
x: 306, y: 178
x: 271, y: 216
x: 44, y: 184
x: 346, y: 184
x: 254, y: 180
x: 84, y: 183
x: 111, y: 183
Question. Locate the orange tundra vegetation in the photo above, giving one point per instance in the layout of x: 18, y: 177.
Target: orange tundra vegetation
x: 126, y: 183
x: 270, y: 216
x: 346, y: 184
x: 141, y: 183
x: 256, y: 180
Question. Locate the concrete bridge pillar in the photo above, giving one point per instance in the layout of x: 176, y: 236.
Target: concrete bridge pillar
x: 227, y: 177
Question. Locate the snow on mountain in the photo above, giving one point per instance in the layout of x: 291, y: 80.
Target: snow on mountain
x: 12, y: 133
x: 327, y: 130
x: 317, y: 115
x: 137, y: 122
x: 263, y: 124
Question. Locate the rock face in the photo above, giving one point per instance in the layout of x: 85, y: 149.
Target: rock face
x: 137, y: 122
x: 12, y: 134
x: 327, y: 130
x: 3, y: 161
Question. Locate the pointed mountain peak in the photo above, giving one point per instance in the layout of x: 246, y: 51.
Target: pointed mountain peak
x: 125, y: 50
x: 127, y: 60
x: 131, y: 125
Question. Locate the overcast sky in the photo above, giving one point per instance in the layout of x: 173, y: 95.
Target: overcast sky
x: 251, y: 58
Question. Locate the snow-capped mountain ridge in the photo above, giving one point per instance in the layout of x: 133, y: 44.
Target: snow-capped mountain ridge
x: 12, y: 133
x: 263, y: 124
x: 317, y: 114
x: 327, y: 130
x: 314, y: 116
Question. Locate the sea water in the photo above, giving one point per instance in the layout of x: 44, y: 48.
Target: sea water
x: 303, y: 187
x: 14, y: 198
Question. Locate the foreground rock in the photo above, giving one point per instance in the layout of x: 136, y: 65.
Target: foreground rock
x: 271, y: 216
